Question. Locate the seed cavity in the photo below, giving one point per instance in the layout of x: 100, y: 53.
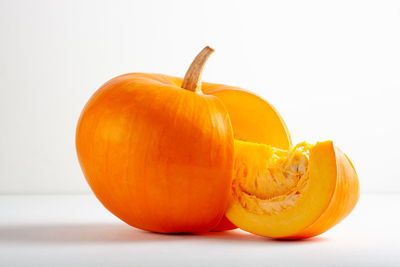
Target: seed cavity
x: 269, y: 180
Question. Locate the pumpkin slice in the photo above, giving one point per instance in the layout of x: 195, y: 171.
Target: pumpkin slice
x: 290, y: 194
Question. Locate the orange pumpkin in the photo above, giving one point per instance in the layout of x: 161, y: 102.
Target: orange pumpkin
x: 156, y: 155
x: 164, y: 157
x: 160, y: 157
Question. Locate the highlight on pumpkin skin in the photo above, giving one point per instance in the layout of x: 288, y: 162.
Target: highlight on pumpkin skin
x: 288, y: 194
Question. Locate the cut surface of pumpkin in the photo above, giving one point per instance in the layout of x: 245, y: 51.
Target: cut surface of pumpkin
x: 295, y: 193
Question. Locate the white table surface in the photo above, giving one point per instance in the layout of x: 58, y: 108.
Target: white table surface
x: 75, y: 230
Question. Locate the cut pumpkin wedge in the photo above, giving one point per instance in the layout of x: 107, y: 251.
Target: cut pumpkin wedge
x: 289, y: 194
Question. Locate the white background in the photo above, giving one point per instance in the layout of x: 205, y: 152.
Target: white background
x: 332, y: 69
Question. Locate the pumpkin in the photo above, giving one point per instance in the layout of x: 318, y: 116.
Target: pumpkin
x: 157, y: 155
x: 289, y: 194
x: 172, y: 155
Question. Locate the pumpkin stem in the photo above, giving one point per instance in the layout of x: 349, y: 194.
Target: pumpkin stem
x: 192, y: 80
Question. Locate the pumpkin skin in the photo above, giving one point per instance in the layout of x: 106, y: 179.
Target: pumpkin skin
x: 253, y: 119
x: 327, y: 195
x: 157, y: 156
